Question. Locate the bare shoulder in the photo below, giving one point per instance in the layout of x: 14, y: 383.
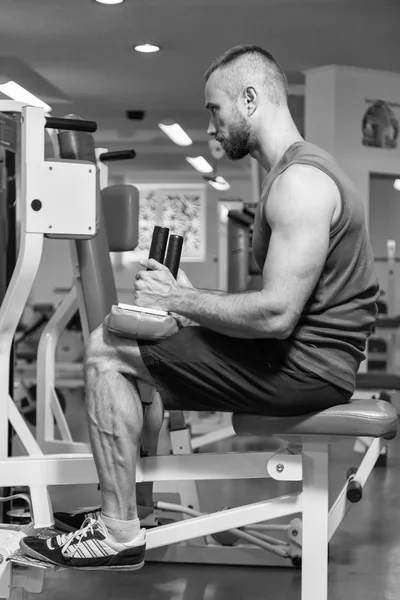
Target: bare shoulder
x: 302, y: 190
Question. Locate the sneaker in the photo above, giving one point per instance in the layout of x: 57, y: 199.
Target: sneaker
x: 88, y: 548
x: 71, y: 521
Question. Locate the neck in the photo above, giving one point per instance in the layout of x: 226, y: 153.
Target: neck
x: 276, y: 134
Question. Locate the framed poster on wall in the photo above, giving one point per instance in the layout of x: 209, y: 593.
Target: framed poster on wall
x: 181, y: 208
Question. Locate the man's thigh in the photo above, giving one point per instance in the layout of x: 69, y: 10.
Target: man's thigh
x: 200, y: 370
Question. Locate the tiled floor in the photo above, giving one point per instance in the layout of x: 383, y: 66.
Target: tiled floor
x: 364, y: 554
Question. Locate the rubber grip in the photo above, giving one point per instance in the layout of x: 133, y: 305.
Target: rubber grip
x: 159, y: 243
x: 117, y: 155
x: 354, y: 491
x: 174, y: 253
x: 71, y: 124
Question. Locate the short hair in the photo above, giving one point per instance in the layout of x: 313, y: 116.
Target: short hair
x: 252, y: 59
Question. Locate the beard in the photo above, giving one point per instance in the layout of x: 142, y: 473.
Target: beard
x: 236, y: 143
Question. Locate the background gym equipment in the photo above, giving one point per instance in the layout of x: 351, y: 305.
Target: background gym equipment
x: 383, y: 344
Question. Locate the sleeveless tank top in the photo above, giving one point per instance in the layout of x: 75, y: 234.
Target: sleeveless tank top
x: 330, y: 336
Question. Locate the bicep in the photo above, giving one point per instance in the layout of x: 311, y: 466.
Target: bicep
x: 300, y: 217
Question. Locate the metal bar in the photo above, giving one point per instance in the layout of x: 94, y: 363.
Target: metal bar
x: 48, y: 470
x: 314, y: 575
x: 117, y: 155
x: 223, y: 520
x: 262, y: 541
x: 63, y: 469
x: 65, y: 447
x: 45, y: 370
x: 214, y: 436
x: 22, y: 430
x: 196, y: 467
x: 70, y: 124
x: 342, y: 506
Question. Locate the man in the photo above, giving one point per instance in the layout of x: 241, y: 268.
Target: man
x: 293, y: 347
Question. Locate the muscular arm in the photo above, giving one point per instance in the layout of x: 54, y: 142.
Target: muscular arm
x: 299, y: 210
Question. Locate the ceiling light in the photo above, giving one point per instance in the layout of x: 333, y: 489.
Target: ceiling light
x: 147, y: 48
x: 396, y: 184
x: 176, y: 134
x: 200, y: 164
x: 219, y: 183
x: 110, y: 1
x: 17, y: 92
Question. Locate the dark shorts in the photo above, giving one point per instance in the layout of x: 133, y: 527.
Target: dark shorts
x: 200, y: 370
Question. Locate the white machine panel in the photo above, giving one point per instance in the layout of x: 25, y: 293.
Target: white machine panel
x: 61, y: 199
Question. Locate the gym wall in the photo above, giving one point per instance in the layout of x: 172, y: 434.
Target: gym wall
x: 351, y: 112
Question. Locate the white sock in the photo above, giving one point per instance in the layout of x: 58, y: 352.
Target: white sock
x: 121, y: 531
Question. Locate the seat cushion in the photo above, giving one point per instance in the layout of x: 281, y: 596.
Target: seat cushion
x: 378, y: 381
x: 370, y: 418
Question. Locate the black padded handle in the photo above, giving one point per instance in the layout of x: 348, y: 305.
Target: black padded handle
x: 159, y: 243
x: 174, y: 253
x: 354, y: 491
x: 117, y: 155
x: 71, y: 124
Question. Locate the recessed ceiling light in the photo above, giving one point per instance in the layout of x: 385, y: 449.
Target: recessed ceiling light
x: 110, y: 1
x: 176, y: 134
x: 200, y: 163
x: 16, y: 92
x: 219, y: 183
x: 147, y: 48
x: 396, y: 184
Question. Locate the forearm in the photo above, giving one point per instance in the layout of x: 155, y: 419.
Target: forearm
x: 244, y: 315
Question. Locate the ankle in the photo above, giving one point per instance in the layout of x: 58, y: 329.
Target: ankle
x: 119, y: 530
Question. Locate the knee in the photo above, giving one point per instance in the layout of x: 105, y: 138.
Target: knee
x: 97, y: 350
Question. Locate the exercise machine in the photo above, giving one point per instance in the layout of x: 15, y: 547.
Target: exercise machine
x: 63, y: 188
x: 88, y: 282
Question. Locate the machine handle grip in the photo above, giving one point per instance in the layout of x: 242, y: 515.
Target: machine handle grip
x: 118, y: 155
x: 174, y: 254
x: 70, y: 124
x: 159, y: 243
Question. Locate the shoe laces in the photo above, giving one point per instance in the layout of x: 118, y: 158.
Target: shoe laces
x: 67, y: 539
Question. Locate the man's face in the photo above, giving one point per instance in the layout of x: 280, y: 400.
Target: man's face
x: 227, y: 124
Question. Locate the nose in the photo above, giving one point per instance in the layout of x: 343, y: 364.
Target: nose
x: 212, y: 130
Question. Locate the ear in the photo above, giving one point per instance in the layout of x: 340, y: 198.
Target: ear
x: 252, y: 99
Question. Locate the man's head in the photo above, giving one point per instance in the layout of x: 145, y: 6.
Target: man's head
x: 239, y: 83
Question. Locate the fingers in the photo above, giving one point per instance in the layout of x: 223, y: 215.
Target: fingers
x: 150, y: 275
x: 150, y: 263
x: 160, y: 273
x: 138, y: 283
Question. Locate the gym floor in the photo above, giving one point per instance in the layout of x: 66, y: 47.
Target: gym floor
x: 364, y: 554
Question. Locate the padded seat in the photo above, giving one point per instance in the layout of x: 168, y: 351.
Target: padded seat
x: 378, y: 381
x: 369, y: 418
